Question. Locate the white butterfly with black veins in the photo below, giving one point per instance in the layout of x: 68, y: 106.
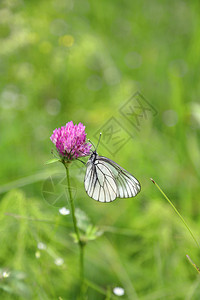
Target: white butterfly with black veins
x: 105, y: 180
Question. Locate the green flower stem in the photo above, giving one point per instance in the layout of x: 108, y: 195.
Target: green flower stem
x: 80, y: 242
x: 174, y: 208
x: 82, y: 286
x: 72, y: 206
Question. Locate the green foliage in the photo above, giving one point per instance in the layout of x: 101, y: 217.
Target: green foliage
x: 51, y: 161
x: 82, y: 60
x: 91, y: 232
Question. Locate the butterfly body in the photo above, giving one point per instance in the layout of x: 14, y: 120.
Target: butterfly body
x: 105, y: 180
x: 93, y: 156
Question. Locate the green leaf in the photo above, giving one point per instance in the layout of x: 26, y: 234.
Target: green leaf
x: 84, y: 223
x: 51, y: 161
x: 93, y: 232
x: 74, y: 236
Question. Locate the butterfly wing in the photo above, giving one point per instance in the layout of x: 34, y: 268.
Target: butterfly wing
x: 127, y: 185
x: 99, y: 182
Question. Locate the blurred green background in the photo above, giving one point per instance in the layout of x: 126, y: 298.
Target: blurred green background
x: 63, y: 60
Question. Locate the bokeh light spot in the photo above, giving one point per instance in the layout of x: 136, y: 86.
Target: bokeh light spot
x: 64, y: 211
x: 195, y: 114
x: 170, y: 117
x: 112, y: 76
x: 59, y: 261
x: 133, y: 60
x: 41, y: 246
x: 40, y: 132
x: 37, y: 254
x: 6, y: 274
x: 9, y: 97
x: 53, y: 107
x: 61, y: 5
x: 66, y: 40
x: 178, y: 67
x: 24, y: 70
x: 59, y: 27
x: 94, y: 83
x: 118, y: 291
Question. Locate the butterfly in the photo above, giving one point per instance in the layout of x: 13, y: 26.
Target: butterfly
x: 105, y: 180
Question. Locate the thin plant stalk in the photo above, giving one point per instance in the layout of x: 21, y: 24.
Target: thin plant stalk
x: 174, y: 208
x: 193, y: 264
x: 80, y: 242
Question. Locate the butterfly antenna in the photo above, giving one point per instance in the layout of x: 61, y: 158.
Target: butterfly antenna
x: 98, y: 141
x: 91, y: 143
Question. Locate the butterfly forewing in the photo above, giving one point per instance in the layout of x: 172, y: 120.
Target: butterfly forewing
x: 108, y: 185
x: 99, y: 183
x: 105, y: 180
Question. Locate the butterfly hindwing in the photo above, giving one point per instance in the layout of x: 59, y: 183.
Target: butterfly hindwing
x: 105, y: 180
x: 128, y: 186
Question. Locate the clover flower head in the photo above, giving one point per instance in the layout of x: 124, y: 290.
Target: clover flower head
x: 70, y: 141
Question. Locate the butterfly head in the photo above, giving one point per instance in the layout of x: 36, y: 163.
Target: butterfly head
x: 93, y: 156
